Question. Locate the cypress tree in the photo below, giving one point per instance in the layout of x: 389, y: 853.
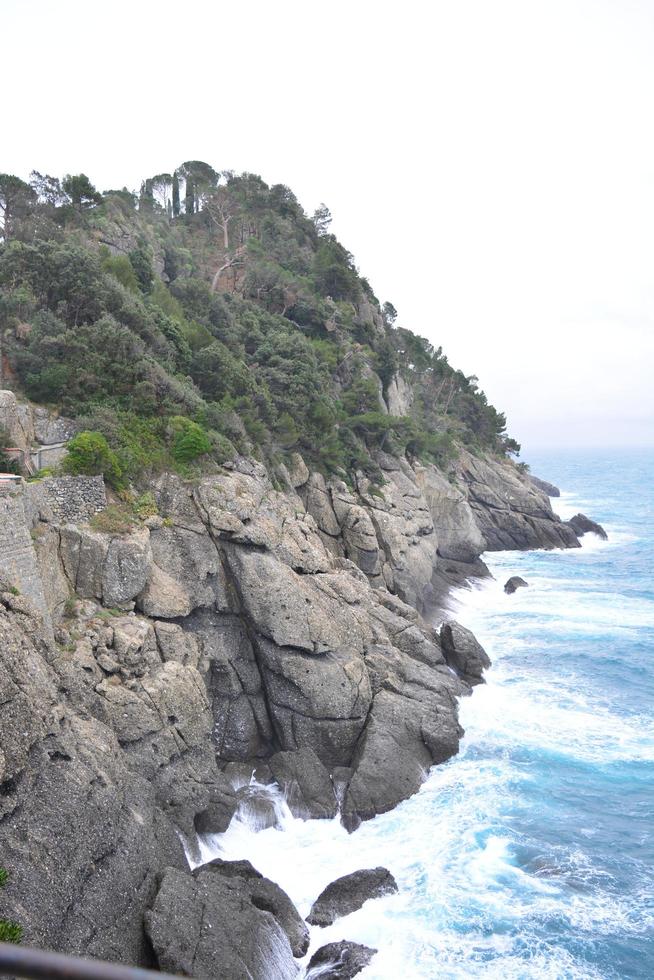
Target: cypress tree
x: 175, y: 194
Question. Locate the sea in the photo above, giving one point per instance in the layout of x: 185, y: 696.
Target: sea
x: 531, y: 853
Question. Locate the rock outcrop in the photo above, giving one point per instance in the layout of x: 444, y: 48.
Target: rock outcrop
x: 339, y: 961
x: 349, y: 893
x: 245, y: 628
x: 464, y: 653
x: 513, y: 583
x: 545, y: 486
x: 224, y: 922
x: 581, y: 524
x: 510, y: 511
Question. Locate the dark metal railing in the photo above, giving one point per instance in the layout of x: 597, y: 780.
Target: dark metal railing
x: 39, y: 964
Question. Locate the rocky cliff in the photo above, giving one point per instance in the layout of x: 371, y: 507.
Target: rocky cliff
x: 285, y: 628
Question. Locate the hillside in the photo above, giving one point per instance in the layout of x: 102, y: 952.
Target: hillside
x: 252, y: 492
x: 214, y: 298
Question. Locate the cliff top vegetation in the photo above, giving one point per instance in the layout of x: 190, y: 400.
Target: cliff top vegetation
x: 209, y: 315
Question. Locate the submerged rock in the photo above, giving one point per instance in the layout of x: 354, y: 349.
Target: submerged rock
x: 581, y: 525
x: 464, y: 653
x: 515, y: 582
x: 347, y: 894
x: 339, y: 961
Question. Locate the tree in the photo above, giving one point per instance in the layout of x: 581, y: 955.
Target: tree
x: 189, y: 440
x: 175, y: 192
x: 81, y: 191
x: 89, y: 454
x: 389, y: 314
x: 16, y: 200
x: 219, y: 205
x: 161, y: 185
x: 200, y: 178
x: 322, y: 219
x: 48, y: 189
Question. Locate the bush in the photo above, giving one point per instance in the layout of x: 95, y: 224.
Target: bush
x: 89, y: 455
x: 189, y: 440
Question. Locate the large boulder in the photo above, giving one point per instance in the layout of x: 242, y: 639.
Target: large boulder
x: 347, y: 894
x: 464, y: 653
x: 581, y: 525
x: 217, y: 923
x: 339, y: 961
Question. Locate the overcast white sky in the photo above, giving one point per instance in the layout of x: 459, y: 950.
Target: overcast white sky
x: 490, y: 163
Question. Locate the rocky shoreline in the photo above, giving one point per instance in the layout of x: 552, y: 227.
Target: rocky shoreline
x: 246, y: 627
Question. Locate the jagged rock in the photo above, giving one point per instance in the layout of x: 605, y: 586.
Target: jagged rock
x: 581, y: 525
x: 16, y: 423
x: 545, y: 486
x: 510, y: 511
x: 298, y: 471
x: 305, y: 783
x: 515, y: 582
x: 457, y: 533
x: 163, y: 597
x: 110, y: 568
x: 464, y: 653
x: 399, y: 396
x: 339, y: 961
x: 217, y: 924
x: 347, y: 894
x: 242, y: 724
x: 318, y: 701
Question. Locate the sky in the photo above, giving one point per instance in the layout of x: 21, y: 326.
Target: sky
x: 489, y: 163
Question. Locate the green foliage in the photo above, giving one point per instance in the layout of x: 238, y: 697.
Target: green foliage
x: 121, y: 268
x: 80, y: 190
x: 89, y: 454
x: 189, y: 440
x: 298, y: 354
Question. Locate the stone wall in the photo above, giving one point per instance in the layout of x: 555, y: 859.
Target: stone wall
x: 18, y: 564
x: 65, y: 499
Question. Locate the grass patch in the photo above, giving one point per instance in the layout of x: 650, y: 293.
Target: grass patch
x: 10, y: 932
x: 115, y: 519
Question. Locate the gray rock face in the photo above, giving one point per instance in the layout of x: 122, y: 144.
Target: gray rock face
x: 515, y: 582
x: 347, y: 894
x: 339, y: 961
x: 464, y: 653
x: 545, y: 486
x: 581, y: 524
x: 218, y: 923
x: 305, y: 783
x: 512, y: 514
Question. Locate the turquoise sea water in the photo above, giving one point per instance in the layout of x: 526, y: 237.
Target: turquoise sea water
x: 531, y: 854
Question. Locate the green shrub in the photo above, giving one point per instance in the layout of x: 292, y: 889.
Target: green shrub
x: 189, y: 440
x: 89, y: 455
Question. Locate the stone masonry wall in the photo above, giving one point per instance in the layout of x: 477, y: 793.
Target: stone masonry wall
x: 65, y: 499
x: 18, y: 564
